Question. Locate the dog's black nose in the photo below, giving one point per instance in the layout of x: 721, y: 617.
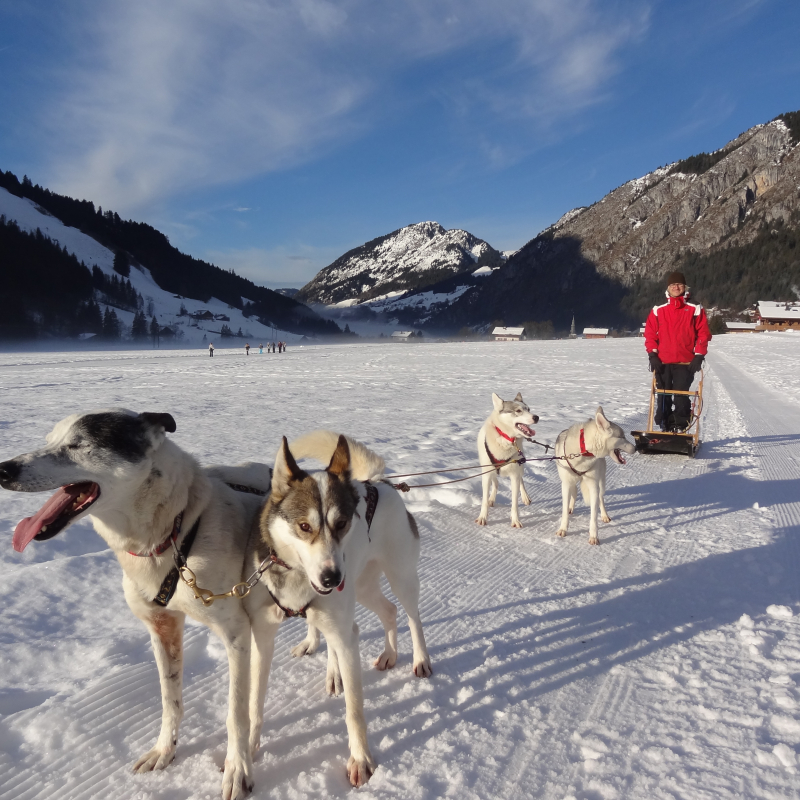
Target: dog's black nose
x: 9, y: 472
x: 331, y: 578
x: 535, y: 418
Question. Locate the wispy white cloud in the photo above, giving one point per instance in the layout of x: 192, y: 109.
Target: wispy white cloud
x: 168, y: 97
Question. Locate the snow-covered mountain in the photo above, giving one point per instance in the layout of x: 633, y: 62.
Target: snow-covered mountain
x: 410, y: 258
x: 164, y: 305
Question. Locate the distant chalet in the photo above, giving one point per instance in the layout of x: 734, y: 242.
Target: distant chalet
x: 508, y: 334
x: 595, y: 333
x: 774, y: 316
x: 402, y: 336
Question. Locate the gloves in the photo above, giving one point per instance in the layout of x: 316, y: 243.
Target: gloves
x: 696, y: 363
x: 655, y: 362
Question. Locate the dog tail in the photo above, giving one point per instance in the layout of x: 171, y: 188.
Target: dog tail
x: 320, y: 445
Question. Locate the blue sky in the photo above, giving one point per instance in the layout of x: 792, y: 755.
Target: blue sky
x: 271, y: 137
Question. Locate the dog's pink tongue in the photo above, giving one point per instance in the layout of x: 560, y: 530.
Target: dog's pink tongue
x: 49, y: 512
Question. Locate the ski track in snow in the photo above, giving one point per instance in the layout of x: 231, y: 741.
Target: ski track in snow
x: 662, y: 664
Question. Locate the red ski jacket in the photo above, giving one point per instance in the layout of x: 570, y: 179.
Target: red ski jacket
x: 677, y: 330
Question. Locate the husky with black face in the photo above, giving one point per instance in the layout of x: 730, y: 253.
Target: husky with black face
x: 500, y: 446
x: 144, y: 495
x: 330, y: 535
x: 582, y: 451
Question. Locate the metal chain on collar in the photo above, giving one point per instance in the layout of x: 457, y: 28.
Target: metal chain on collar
x: 240, y: 590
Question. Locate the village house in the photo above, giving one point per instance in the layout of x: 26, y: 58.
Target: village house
x: 508, y: 334
x: 595, y: 333
x: 772, y: 316
x: 402, y: 336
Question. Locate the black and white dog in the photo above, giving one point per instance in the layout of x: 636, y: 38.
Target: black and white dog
x: 146, y: 497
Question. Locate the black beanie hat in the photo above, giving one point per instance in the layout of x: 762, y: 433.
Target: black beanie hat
x: 675, y: 277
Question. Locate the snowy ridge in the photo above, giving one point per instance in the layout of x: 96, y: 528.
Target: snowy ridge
x: 166, y: 306
x: 403, y: 258
x: 663, y: 663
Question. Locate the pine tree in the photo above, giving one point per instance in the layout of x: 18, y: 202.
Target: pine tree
x: 154, y: 331
x: 122, y: 263
x: 139, y: 327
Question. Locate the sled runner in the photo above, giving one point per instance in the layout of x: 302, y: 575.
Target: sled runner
x: 685, y: 442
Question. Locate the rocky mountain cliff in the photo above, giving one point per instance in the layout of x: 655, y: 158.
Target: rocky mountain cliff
x: 604, y: 262
x: 409, y: 258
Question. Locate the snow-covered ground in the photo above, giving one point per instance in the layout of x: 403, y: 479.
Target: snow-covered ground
x: 664, y: 663
x: 164, y: 305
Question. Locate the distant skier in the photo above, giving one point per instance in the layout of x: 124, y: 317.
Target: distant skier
x: 676, y: 338
x: 247, y: 348
x: 261, y: 349
x: 211, y: 349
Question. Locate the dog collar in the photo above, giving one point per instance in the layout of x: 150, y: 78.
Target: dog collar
x: 584, y: 451
x: 504, y: 435
x: 166, y: 544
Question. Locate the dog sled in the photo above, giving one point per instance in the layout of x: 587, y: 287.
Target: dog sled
x: 684, y: 442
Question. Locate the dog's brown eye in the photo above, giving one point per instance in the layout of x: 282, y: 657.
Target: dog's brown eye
x: 340, y: 524
x: 304, y: 526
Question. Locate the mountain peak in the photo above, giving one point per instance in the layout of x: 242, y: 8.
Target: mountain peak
x: 409, y: 258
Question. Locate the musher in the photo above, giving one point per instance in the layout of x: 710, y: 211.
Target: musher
x: 676, y: 338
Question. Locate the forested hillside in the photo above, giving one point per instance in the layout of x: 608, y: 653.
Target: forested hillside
x: 174, y: 271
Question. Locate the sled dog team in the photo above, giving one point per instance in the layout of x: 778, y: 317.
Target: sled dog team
x: 291, y: 542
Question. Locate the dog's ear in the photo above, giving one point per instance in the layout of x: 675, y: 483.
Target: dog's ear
x: 164, y: 421
x: 340, y: 461
x: 286, y: 470
x: 518, y: 398
x: 497, y: 402
x: 600, y: 419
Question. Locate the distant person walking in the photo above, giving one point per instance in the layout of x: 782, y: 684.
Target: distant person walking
x: 261, y: 348
x: 247, y: 348
x: 211, y: 349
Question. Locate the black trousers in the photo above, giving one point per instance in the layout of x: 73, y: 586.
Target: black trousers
x: 679, y: 406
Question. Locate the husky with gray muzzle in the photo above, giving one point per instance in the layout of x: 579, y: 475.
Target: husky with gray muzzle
x: 582, y: 451
x: 500, y: 441
x: 148, y: 498
x: 329, y: 536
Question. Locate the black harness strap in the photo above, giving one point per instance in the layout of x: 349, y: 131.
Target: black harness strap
x: 238, y: 487
x: 498, y: 463
x: 372, y: 504
x: 170, y: 583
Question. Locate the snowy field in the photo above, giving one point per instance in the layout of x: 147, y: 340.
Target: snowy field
x: 664, y: 663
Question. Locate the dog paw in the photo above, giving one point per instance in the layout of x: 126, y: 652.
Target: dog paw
x: 606, y: 518
x: 515, y: 523
x: 481, y: 520
x: 594, y: 541
x: 237, y: 778
x: 562, y: 533
x: 423, y: 669
x: 157, y: 758
x: 255, y: 745
x: 385, y: 660
x: 491, y: 504
x: 360, y: 770
x: 526, y: 500
x: 305, y: 648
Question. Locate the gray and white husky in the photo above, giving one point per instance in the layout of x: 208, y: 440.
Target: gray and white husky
x: 331, y: 535
x: 500, y: 439
x: 582, y: 450
x: 144, y: 494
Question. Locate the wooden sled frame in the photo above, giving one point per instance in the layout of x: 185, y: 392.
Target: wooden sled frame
x: 686, y: 442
